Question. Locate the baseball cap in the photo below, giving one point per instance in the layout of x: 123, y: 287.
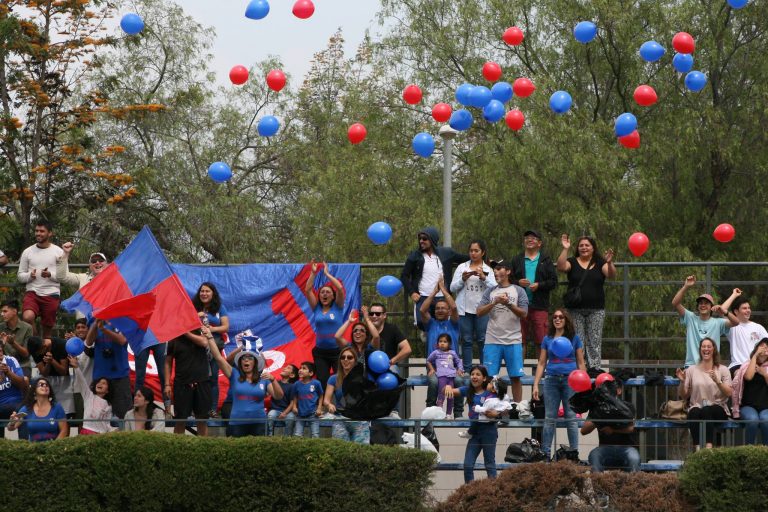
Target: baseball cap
x: 532, y: 232
x: 501, y: 264
x: 707, y: 297
x: 99, y: 254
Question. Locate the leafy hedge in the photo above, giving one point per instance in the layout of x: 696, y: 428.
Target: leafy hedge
x: 727, y: 478
x: 164, y: 472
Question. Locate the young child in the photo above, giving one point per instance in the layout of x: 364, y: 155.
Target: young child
x: 307, y: 400
x: 447, y: 364
x: 283, y: 409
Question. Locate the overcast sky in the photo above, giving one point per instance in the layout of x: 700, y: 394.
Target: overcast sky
x: 240, y: 40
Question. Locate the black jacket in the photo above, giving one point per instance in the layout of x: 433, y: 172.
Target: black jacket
x: 414, y: 263
x: 545, y: 276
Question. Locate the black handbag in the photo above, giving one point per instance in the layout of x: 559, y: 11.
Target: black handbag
x: 527, y: 451
x: 572, y: 296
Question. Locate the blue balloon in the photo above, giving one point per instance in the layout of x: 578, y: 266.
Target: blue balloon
x: 268, y: 126
x: 423, y: 144
x: 695, y: 81
x: 561, y: 347
x: 585, y: 31
x: 132, y: 24
x: 371, y: 376
x: 74, y: 346
x: 651, y: 51
x: 560, y: 102
x: 388, y: 286
x: 257, y: 9
x: 461, y: 120
x: 626, y: 123
x: 502, y: 91
x: 480, y: 96
x: 387, y: 381
x: 379, y: 233
x: 737, y: 4
x: 378, y: 361
x: 494, y: 111
x: 219, y: 172
x: 462, y: 93
x: 683, y: 62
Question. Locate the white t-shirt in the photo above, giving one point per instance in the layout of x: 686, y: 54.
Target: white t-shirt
x: 433, y: 269
x: 743, y: 339
x: 504, y: 326
x: 36, y: 258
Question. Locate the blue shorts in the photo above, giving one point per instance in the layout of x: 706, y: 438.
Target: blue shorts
x: 512, y: 354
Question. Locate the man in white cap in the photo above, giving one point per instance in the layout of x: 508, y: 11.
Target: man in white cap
x: 96, y: 263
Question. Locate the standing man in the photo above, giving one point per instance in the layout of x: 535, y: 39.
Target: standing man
x: 703, y: 325
x: 744, y: 335
x: 191, y: 387
x: 96, y: 263
x: 14, y: 334
x: 506, y: 303
x: 535, y: 273
x: 37, y: 269
x: 392, y: 341
x: 424, y: 266
x: 110, y: 361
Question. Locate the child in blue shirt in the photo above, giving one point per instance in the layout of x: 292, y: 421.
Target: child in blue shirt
x: 283, y: 409
x: 307, y: 400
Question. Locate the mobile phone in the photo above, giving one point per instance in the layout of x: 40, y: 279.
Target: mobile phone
x: 21, y: 415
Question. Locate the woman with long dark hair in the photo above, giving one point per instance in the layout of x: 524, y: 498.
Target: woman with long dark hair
x: 97, y: 401
x: 328, y: 312
x: 44, y: 417
x: 365, y: 335
x: 213, y: 315
x: 750, y: 393
x: 343, y: 428
x: 145, y: 415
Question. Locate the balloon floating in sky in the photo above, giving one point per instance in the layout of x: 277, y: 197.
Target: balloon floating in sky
x: 423, y: 144
x: 683, y: 42
x: 631, y: 141
x: 268, y: 126
x: 585, y: 31
x: 695, y: 81
x: 356, y: 133
x: 491, y: 71
x: 645, y: 96
x: 238, y: 75
x: 651, y: 51
x: 724, y: 233
x: 480, y: 96
x: 257, y: 9
x: 379, y: 233
x: 683, y: 62
x: 388, y: 286
x: 513, y: 36
x: 502, y: 91
x: 493, y: 111
x: 276, y: 80
x: 626, y: 123
x: 560, y: 102
x: 441, y: 112
x: 219, y: 172
x: 132, y: 24
x: 462, y: 93
x: 303, y: 9
x: 514, y: 119
x: 412, y: 94
x: 461, y: 120
x: 738, y: 4
x: 523, y: 87
x: 638, y: 243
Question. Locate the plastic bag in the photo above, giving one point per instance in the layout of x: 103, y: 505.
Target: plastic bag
x: 608, y: 406
x: 409, y: 441
x: 527, y: 451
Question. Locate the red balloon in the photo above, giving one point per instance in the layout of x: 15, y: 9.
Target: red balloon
x: 276, y: 80
x: 638, y: 243
x: 515, y: 119
x: 356, y: 133
x: 645, y: 96
x: 303, y: 9
x: 491, y: 71
x: 683, y: 43
x: 513, y: 36
x: 522, y: 87
x: 412, y: 94
x: 603, y: 377
x: 579, y: 381
x: 631, y: 141
x: 238, y: 75
x: 724, y: 233
x: 441, y: 112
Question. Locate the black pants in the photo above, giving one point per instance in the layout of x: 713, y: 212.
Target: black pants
x: 710, y: 412
x: 325, y: 359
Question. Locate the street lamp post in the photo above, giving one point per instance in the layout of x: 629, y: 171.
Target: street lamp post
x: 447, y: 134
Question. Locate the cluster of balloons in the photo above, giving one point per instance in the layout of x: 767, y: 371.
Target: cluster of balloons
x: 258, y: 9
x: 378, y: 368
x: 579, y: 380
x: 276, y: 79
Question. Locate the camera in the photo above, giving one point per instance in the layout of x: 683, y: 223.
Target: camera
x: 108, y: 352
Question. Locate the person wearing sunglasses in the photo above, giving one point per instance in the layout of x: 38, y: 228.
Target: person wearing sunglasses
x: 365, y: 336
x: 343, y: 428
x: 42, y: 416
x: 97, y: 262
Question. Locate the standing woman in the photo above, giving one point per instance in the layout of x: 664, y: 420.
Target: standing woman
x: 587, y: 271
x: 44, y: 417
x: 343, y: 428
x: 249, y: 389
x: 707, y: 387
x: 470, y: 280
x: 213, y: 314
x: 556, y: 388
x: 328, y: 313
x: 365, y: 335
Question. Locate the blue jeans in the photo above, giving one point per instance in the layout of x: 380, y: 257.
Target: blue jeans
x: 141, y: 359
x: 288, y: 422
x: 247, y: 429
x: 557, y: 390
x: 458, y: 403
x: 314, y: 426
x: 355, y: 431
x: 614, y: 457
x: 484, y: 438
x: 472, y: 328
x: 751, y: 415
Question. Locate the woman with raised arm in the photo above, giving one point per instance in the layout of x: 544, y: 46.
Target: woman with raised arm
x: 365, y: 335
x: 213, y: 315
x: 328, y: 313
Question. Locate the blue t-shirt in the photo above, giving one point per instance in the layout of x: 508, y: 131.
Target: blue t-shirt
x: 44, y: 430
x: 247, y: 398
x: 477, y: 399
x: 326, y: 325
x: 561, y: 365
x: 283, y: 403
x: 530, y: 274
x: 437, y: 327
x: 337, y: 394
x: 697, y: 329
x: 110, y: 359
x: 308, y: 395
x: 215, y: 319
x: 10, y: 394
